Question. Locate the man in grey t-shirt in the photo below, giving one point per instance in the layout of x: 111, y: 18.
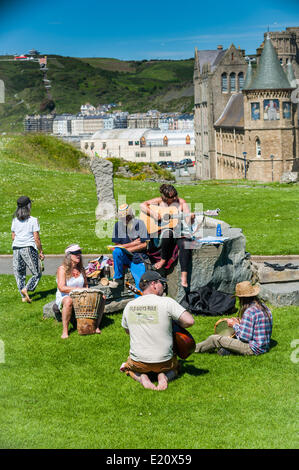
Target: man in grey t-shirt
x: 148, y: 321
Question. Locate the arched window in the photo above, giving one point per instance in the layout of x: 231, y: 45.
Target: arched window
x: 232, y: 81
x: 241, y: 81
x: 258, y: 147
x: 165, y: 140
x: 224, y: 82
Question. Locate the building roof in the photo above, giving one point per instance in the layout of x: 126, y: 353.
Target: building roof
x: 249, y: 77
x: 233, y: 113
x: 174, y: 137
x: 270, y: 74
x: 128, y: 134
x: 290, y: 73
x: 211, y: 57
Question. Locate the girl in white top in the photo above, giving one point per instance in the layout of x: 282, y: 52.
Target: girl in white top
x: 70, y: 275
x: 26, y: 243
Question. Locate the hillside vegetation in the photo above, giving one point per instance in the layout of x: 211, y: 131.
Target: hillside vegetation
x: 133, y: 86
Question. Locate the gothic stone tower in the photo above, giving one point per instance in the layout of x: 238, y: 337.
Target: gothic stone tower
x: 270, y: 119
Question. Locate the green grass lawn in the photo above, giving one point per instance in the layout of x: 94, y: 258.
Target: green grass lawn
x: 65, y: 202
x: 70, y: 394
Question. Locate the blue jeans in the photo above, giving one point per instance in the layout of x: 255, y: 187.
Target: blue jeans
x: 120, y: 260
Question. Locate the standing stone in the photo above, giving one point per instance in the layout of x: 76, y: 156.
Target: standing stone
x: 103, y: 173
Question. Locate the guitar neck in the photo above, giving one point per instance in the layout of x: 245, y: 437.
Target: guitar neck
x: 133, y: 288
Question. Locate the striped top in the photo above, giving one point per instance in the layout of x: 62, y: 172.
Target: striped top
x: 255, y: 328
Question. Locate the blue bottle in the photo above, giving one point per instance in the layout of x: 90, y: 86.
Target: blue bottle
x: 218, y: 231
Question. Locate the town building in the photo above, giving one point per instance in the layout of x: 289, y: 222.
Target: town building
x: 148, y: 120
x: 62, y: 124
x: 39, y: 123
x: 144, y: 145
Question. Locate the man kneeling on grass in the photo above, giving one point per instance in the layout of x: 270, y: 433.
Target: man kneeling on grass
x: 148, y: 321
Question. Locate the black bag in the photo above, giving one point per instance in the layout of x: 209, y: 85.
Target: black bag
x: 208, y: 301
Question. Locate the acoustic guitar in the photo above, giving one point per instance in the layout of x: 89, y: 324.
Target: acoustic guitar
x: 169, y: 218
x: 183, y: 341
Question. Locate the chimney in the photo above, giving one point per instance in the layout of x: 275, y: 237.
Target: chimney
x: 220, y: 47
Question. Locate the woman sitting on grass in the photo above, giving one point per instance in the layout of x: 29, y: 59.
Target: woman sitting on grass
x: 252, y: 332
x: 70, y: 275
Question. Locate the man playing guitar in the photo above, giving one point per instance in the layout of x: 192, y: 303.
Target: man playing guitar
x: 163, y: 235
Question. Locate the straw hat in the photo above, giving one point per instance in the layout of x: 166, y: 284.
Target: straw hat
x: 246, y: 289
x: 124, y: 210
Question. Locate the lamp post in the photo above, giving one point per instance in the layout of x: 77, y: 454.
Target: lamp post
x: 272, y: 160
x: 245, y: 164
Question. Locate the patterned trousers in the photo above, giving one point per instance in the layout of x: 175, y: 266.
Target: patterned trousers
x: 22, y: 258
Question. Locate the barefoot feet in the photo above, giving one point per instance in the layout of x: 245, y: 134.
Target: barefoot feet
x: 162, y: 382
x: 145, y: 381
x: 26, y: 296
x: 160, y: 264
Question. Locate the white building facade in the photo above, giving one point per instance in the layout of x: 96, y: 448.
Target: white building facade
x: 143, y: 145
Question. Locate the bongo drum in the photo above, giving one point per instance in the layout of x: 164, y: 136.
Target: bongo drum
x: 86, y: 304
x: 183, y: 341
x: 221, y: 328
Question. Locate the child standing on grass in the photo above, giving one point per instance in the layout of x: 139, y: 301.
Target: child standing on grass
x: 252, y: 333
x: 26, y: 244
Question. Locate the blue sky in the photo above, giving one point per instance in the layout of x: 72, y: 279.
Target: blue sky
x: 136, y: 30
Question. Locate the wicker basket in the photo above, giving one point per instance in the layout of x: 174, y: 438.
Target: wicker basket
x: 86, y: 304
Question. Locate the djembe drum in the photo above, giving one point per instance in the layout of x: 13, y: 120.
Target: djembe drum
x: 221, y: 328
x: 86, y: 304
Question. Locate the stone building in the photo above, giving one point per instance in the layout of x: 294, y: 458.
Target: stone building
x: 257, y: 133
x: 218, y: 74
x: 247, y: 129
x: 286, y: 44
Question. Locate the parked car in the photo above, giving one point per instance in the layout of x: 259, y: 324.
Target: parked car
x: 162, y: 164
x: 186, y: 162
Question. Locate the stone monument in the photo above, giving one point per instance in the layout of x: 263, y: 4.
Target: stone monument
x: 102, y: 170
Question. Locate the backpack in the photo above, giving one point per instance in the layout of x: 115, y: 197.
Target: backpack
x: 208, y: 301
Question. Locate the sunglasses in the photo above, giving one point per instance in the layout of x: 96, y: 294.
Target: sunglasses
x: 76, y: 252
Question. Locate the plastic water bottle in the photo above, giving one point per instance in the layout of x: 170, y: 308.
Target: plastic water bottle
x: 218, y: 231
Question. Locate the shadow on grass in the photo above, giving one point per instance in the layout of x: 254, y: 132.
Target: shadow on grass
x: 42, y: 294
x: 187, y: 368
x: 273, y: 343
x: 106, y: 321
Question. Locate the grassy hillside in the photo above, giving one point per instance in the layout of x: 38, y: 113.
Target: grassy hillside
x: 65, y: 199
x: 135, y: 86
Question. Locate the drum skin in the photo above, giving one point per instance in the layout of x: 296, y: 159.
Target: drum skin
x: 221, y: 328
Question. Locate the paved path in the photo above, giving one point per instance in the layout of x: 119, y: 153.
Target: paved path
x: 53, y: 261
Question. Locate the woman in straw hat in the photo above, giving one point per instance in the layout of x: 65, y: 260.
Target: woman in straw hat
x: 252, y: 330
